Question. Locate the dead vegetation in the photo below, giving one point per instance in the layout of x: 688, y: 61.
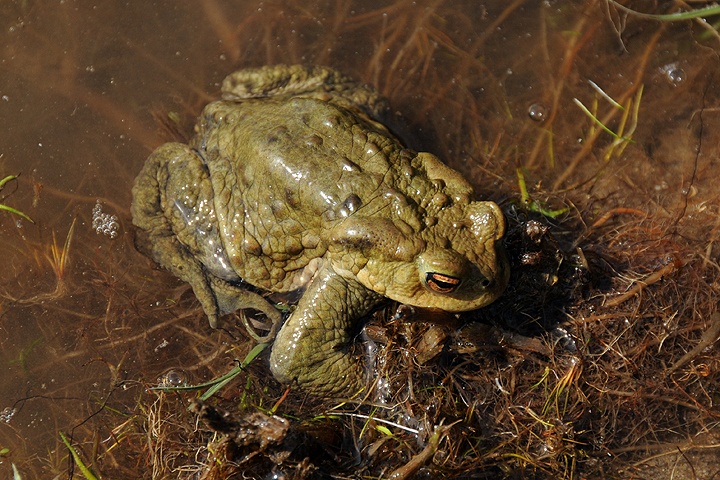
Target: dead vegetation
x: 600, y: 361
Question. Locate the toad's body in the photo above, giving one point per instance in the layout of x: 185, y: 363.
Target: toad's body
x: 291, y: 183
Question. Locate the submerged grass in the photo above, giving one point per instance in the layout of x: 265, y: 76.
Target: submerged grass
x: 8, y: 208
x: 533, y: 205
x: 86, y: 472
x: 671, y: 17
x: 600, y: 359
x: 217, y: 384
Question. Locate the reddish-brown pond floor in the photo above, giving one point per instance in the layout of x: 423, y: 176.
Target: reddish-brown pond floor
x: 595, y: 129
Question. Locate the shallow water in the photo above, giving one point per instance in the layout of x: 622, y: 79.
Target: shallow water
x: 88, y: 89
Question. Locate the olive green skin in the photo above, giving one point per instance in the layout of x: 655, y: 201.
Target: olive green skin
x: 290, y: 183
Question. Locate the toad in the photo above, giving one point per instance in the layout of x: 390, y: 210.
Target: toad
x: 291, y: 183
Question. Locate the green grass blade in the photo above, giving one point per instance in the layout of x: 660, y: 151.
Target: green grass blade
x: 7, y: 179
x: 3, y: 182
x: 218, y: 383
x: 221, y: 382
x: 83, y: 468
x: 672, y: 17
x: 16, y: 212
x: 225, y: 379
x: 200, y: 386
x: 607, y: 97
x: 594, y: 118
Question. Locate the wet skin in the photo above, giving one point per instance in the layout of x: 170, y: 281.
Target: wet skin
x: 290, y: 183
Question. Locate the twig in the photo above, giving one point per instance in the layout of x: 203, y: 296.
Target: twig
x: 709, y: 337
x: 641, y: 284
x: 417, y: 461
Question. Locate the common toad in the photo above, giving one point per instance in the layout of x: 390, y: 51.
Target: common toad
x: 291, y: 183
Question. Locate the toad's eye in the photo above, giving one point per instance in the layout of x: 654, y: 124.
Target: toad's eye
x: 441, y: 283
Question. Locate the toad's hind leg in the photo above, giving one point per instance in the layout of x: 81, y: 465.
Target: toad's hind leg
x: 230, y: 298
x: 177, y: 227
x: 312, y: 346
x: 172, y: 208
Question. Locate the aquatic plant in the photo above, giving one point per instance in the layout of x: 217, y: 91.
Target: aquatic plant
x: 8, y: 208
x: 86, y: 472
x: 600, y: 360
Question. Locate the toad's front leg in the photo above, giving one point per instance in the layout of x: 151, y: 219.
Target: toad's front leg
x: 312, y: 347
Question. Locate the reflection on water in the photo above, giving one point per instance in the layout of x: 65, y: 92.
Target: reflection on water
x: 88, y: 89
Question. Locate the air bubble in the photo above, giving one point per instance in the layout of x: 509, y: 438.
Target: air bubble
x: 173, y: 378
x: 674, y: 73
x: 7, y: 414
x: 537, y: 112
x: 104, y: 223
